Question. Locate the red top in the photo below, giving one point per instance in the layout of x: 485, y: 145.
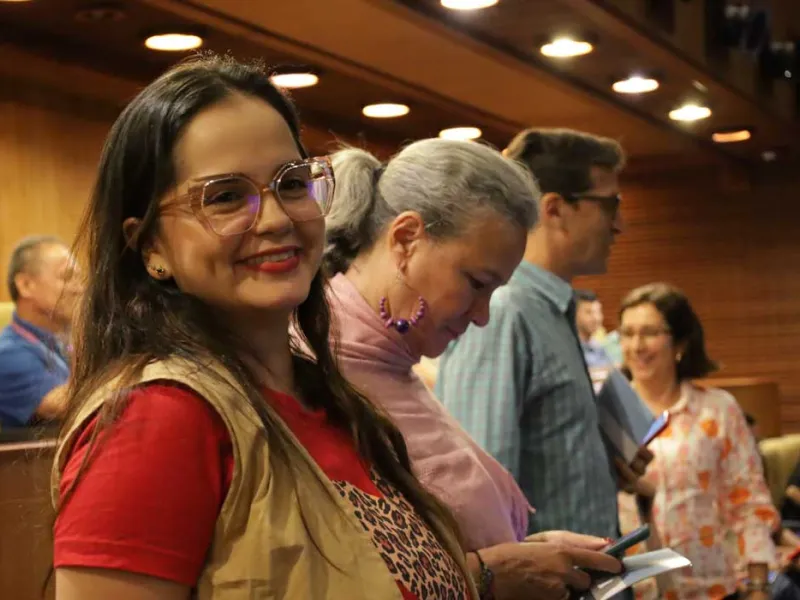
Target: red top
x: 176, y: 457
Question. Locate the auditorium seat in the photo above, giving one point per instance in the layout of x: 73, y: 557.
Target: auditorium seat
x: 26, y: 553
x: 6, y: 309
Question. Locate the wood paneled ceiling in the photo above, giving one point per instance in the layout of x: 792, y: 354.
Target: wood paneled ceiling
x: 55, y: 30
x: 481, y: 68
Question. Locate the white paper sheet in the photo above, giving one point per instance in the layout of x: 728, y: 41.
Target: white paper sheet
x: 638, y: 568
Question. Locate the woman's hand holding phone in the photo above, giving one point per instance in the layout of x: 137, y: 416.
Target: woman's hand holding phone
x: 547, y: 570
x: 620, y: 546
x: 570, y: 539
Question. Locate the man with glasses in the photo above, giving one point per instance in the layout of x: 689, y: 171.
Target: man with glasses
x: 520, y: 385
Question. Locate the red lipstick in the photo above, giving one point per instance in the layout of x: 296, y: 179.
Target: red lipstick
x: 274, y: 260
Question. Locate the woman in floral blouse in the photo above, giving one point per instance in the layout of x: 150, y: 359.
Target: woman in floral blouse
x: 707, y: 475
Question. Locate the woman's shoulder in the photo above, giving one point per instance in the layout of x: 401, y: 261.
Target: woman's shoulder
x: 171, y: 403
x: 147, y: 489
x: 713, y: 397
x: 164, y: 413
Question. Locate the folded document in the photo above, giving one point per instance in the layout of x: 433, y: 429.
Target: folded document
x: 638, y: 568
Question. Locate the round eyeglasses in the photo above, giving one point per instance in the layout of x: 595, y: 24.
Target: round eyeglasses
x: 231, y: 203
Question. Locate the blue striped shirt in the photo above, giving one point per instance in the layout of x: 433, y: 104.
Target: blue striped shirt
x: 520, y: 387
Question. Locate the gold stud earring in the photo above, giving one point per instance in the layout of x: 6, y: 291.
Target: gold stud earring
x: 678, y: 357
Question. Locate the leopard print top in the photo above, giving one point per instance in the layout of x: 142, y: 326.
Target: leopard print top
x: 409, y: 548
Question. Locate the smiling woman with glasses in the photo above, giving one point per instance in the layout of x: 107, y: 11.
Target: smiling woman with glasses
x: 206, y: 454
x: 705, y: 486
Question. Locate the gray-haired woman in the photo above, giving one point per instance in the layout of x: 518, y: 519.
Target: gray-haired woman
x: 417, y: 246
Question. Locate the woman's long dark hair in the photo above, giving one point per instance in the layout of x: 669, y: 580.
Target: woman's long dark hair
x: 128, y: 319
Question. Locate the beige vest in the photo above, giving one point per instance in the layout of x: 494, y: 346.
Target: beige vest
x: 261, y: 547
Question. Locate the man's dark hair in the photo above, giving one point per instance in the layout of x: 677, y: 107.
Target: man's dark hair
x: 24, y: 257
x: 561, y: 159
x: 585, y: 296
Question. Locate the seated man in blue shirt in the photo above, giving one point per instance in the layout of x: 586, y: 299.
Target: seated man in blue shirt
x: 588, y: 320
x: 34, y: 366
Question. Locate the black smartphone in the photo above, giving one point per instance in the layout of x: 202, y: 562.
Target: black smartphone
x: 617, y: 549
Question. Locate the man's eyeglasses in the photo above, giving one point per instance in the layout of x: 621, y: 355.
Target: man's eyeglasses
x: 609, y: 203
x: 231, y: 203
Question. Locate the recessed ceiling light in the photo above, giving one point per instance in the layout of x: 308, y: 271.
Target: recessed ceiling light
x: 173, y: 42
x: 769, y: 155
x: 294, y: 80
x: 468, y: 4
x: 635, y: 85
x: 690, y: 112
x: 729, y: 136
x: 564, y: 47
x: 385, y: 111
x: 461, y: 133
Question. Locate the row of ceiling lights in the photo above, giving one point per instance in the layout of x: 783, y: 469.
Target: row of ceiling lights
x: 177, y: 41
x: 566, y: 47
x: 174, y: 42
x: 561, y: 47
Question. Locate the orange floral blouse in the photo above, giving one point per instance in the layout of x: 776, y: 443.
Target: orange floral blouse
x: 712, y: 504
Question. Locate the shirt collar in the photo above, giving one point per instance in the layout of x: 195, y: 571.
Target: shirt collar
x: 683, y: 403
x: 47, y: 338
x: 551, y: 286
x: 590, y: 346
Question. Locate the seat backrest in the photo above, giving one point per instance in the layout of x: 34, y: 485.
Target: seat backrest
x: 781, y: 455
x: 6, y: 310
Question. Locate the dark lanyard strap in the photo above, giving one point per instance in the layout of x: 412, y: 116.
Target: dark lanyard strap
x: 29, y: 336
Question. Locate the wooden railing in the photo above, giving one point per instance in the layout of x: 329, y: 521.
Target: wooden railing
x: 758, y: 396
x: 26, y: 546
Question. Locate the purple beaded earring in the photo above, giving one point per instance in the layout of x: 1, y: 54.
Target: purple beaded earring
x: 402, y: 325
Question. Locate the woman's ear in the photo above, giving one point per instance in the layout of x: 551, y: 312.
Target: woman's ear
x: 154, y: 261
x: 404, y: 235
x: 680, y: 351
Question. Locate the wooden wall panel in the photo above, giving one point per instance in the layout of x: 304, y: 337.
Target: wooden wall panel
x: 49, y: 147
x: 735, y: 251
